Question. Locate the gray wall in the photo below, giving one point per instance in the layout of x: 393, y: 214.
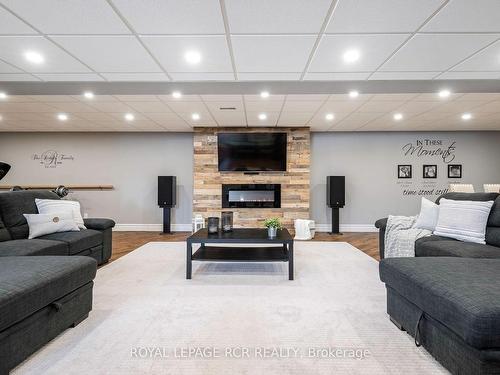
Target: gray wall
x: 129, y: 161
x: 369, y: 162
x: 132, y: 161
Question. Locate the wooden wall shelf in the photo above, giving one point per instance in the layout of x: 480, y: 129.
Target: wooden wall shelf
x: 50, y: 187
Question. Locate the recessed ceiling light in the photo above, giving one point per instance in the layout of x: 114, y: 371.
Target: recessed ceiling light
x: 3, y: 95
x: 264, y: 94
x: 192, y: 57
x: 466, y: 116
x: 34, y: 57
x: 62, y: 116
x: 397, y: 116
x: 129, y: 117
x: 195, y: 116
x: 329, y: 116
x: 351, y: 55
x: 353, y: 94
x: 262, y: 116
x: 88, y: 95
x: 444, y: 93
x: 176, y: 95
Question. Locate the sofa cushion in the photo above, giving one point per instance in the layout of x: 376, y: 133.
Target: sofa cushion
x: 28, y: 284
x: 77, y: 241
x: 4, y: 233
x: 445, y: 247
x: 16, y: 203
x: 33, y: 247
x: 462, y: 294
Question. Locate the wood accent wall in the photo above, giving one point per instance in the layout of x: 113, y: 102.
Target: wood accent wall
x: 294, y: 182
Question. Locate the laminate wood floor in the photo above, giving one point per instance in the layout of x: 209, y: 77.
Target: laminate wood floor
x: 126, y: 242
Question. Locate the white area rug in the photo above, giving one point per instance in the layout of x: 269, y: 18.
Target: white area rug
x: 143, y: 304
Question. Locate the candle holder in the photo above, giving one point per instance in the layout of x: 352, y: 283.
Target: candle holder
x: 213, y: 225
x: 227, y: 221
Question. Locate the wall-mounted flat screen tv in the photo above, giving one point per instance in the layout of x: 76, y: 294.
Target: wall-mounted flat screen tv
x: 252, y: 152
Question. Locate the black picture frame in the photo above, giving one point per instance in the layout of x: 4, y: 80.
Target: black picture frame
x: 430, y: 171
x: 454, y: 170
x: 405, y: 171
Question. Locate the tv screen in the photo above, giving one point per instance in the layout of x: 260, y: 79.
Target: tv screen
x: 252, y: 152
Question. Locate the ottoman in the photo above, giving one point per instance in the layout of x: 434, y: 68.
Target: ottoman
x: 451, y: 306
x: 40, y: 297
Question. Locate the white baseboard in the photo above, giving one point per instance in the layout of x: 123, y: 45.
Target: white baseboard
x: 347, y: 228
x: 151, y: 227
x: 187, y: 227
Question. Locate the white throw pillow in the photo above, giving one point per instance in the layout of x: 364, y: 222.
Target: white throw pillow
x: 463, y: 220
x: 41, y: 224
x: 429, y: 214
x: 50, y: 206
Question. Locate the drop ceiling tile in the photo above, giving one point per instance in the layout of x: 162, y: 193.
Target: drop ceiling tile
x: 307, y: 97
x: 355, y: 121
x: 53, y: 98
x: 131, y: 77
x: 263, y: 76
x: 258, y: 98
x: 170, y: 51
x: 253, y: 119
x: 368, y: 16
x: 145, y: 107
x: 173, y: 16
x: 10, y: 107
x: 342, y: 76
x: 6, y: 68
x: 283, y: 53
x: 430, y: 96
x: 111, y: 54
x: 200, y: 76
x: 382, y: 76
x: 187, y: 106
x: 110, y: 107
x: 456, y: 107
x: 17, y: 77
x: 485, y: 60
x: 205, y: 119
x: 393, y: 97
x: 96, y: 98
x: 10, y: 24
x: 12, y: 49
x: 168, y: 120
x: 69, y: 17
x: 185, y: 98
x: 345, y: 97
x: 466, y: 16
x: 341, y: 106
x: 230, y: 118
x: 492, y: 107
x: 320, y: 122
x: 137, y: 98
x: 418, y: 106
x: 214, y: 106
x: 221, y: 98
x: 95, y: 116
x: 87, y: 77
x: 379, y: 106
x: 436, y: 52
x: 20, y: 99
x: 480, y: 96
x: 77, y: 107
x: 294, y: 118
x: 469, y: 75
x: 374, y: 50
x: 302, y: 106
x: 277, y: 16
x: 263, y: 105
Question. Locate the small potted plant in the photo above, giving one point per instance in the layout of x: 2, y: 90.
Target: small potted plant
x: 272, y: 224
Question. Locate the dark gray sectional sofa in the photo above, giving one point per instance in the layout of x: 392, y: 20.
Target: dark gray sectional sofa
x: 448, y: 296
x: 45, y: 283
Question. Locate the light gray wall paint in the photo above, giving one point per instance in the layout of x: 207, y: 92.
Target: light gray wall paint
x: 129, y: 161
x: 132, y: 162
x: 369, y: 162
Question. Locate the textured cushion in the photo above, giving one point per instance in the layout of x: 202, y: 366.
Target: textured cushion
x: 33, y: 247
x: 4, y: 233
x: 77, y: 241
x: 41, y: 224
x: 463, y: 220
x: 99, y: 224
x: 463, y: 294
x: 429, y: 214
x: 447, y: 247
x: 28, y: 284
x: 51, y: 206
x: 14, y: 204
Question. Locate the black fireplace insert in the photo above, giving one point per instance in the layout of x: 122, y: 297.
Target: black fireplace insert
x: 251, y: 196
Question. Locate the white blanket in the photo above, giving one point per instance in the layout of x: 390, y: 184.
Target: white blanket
x: 400, y: 236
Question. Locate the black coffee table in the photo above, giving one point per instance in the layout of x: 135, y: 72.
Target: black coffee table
x: 210, y: 252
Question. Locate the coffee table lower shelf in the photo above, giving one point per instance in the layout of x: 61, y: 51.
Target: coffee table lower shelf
x: 240, y: 254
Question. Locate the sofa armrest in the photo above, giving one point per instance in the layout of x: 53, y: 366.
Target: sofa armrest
x: 99, y: 224
x: 381, y: 223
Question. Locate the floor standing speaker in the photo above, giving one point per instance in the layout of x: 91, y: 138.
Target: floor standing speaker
x: 335, y: 198
x: 167, y: 193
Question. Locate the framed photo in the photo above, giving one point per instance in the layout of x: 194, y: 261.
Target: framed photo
x: 430, y: 171
x: 454, y: 170
x: 404, y: 171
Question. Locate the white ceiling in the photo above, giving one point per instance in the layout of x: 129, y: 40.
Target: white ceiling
x: 246, y: 40
x: 159, y: 113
